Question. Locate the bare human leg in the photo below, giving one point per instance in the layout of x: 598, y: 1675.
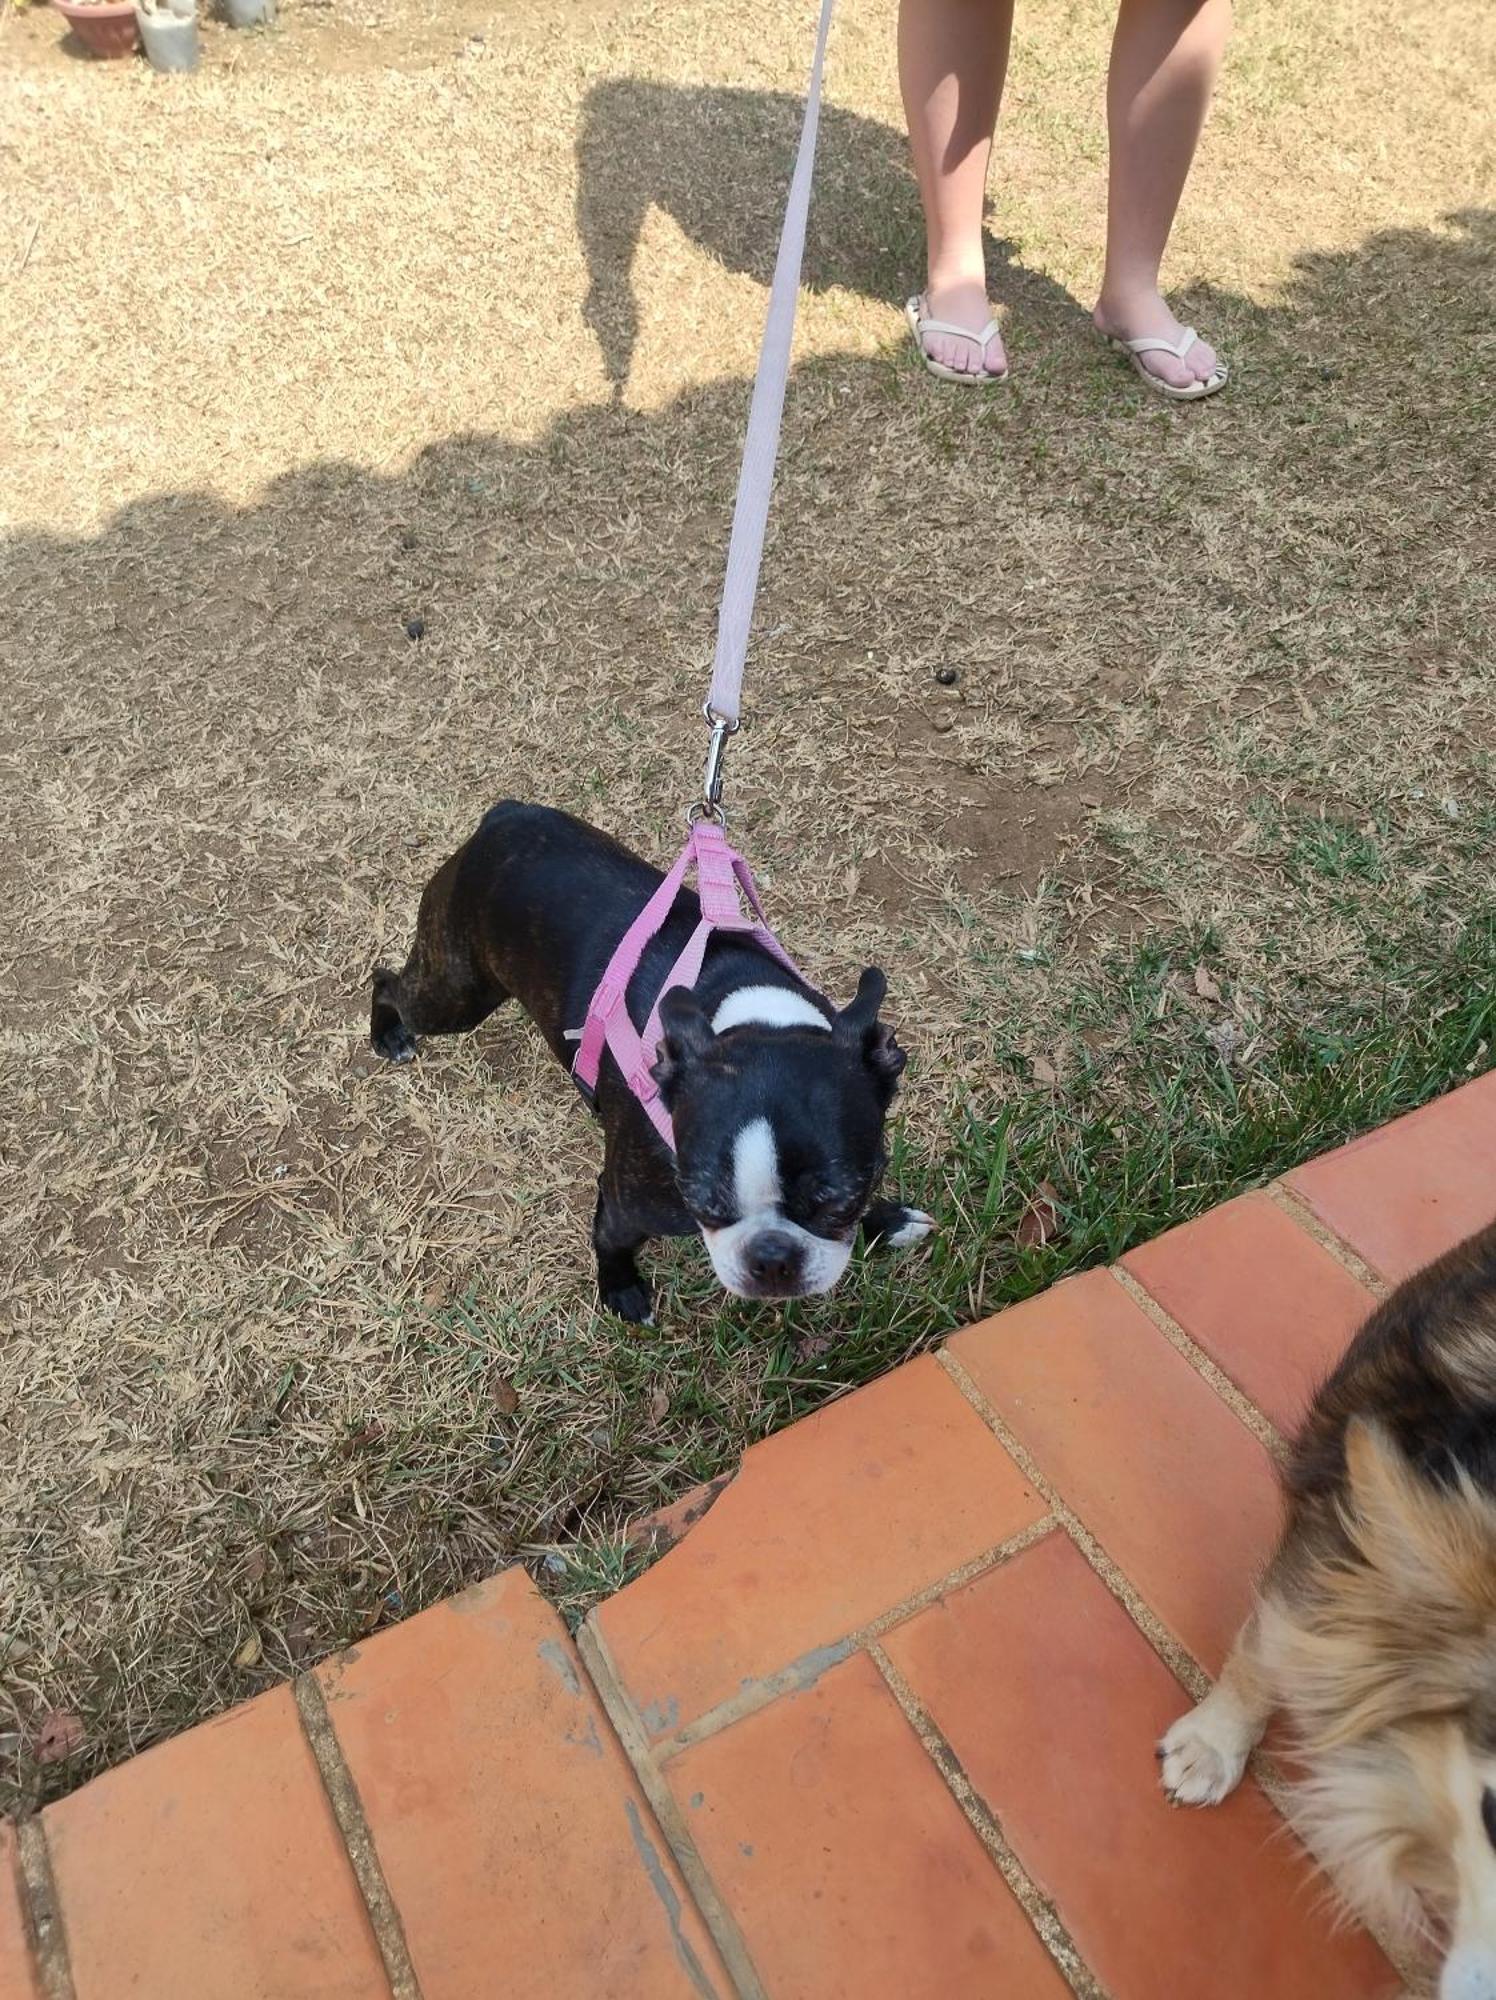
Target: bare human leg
x: 1165, y: 58
x: 953, y: 57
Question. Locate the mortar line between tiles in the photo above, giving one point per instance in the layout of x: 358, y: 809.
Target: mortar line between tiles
x: 805, y: 1671
x: 1180, y: 1663
x: 1039, y: 1909
x: 41, y: 1911
x: 1240, y: 1405
x: 630, y: 1731
x: 1298, y: 1211
x: 353, y: 1825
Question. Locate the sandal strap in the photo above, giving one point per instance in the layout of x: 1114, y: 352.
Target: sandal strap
x: 983, y: 339
x: 1152, y: 344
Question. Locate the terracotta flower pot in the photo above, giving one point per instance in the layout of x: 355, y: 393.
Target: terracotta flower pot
x: 105, y: 27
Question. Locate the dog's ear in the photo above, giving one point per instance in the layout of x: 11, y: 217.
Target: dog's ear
x: 859, y: 1019
x: 685, y: 1036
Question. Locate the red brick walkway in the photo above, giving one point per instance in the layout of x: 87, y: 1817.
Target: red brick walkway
x: 879, y: 1724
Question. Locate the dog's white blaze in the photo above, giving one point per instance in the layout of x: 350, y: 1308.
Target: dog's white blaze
x: 757, y: 1191
x: 755, y: 1171
x: 767, y: 1007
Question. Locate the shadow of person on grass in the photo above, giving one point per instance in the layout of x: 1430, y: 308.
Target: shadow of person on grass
x: 718, y: 161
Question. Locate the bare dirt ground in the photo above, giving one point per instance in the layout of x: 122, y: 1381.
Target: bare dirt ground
x: 391, y: 316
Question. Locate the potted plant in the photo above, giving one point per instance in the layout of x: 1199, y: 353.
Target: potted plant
x: 104, y: 27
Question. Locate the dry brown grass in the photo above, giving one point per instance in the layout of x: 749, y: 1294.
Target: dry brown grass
x: 365, y: 323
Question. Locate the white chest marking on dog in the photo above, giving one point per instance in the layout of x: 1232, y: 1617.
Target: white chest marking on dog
x: 767, y: 1007
x: 755, y: 1171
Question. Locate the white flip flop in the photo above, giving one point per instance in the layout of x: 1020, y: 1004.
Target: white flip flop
x: 920, y: 325
x: 1153, y: 344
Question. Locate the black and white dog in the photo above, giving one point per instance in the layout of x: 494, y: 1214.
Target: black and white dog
x: 778, y: 1099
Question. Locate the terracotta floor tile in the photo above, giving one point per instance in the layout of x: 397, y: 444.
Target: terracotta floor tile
x: 17, y: 1973
x: 1174, y: 1487
x: 1407, y: 1193
x: 517, y: 1845
x: 1260, y: 1296
x: 1052, y: 1702
x: 851, y: 1870
x: 828, y: 1524
x: 212, y: 1866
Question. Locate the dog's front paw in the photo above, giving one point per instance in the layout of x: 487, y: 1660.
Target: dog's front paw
x: 1202, y: 1757
x: 892, y: 1226
x: 630, y: 1302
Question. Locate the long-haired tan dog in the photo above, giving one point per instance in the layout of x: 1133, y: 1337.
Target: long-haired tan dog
x: 1375, y: 1628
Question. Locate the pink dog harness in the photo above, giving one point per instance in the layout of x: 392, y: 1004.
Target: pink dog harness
x: 723, y: 878
x: 721, y: 874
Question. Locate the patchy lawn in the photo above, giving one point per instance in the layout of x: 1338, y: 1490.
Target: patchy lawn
x: 385, y: 318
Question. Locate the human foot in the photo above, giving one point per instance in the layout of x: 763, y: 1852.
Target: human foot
x: 1144, y: 317
x: 939, y: 320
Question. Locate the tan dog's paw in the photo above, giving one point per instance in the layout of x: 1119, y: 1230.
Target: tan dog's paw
x: 1203, y: 1755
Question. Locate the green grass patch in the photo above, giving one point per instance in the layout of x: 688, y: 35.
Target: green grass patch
x: 1168, y: 1103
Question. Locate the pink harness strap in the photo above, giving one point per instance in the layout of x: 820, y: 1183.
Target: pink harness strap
x: 721, y: 876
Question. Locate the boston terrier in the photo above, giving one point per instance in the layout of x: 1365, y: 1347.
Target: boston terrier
x: 777, y: 1099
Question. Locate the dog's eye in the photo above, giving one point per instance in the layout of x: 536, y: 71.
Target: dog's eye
x: 710, y: 1213
x: 1488, y: 1814
x: 837, y: 1212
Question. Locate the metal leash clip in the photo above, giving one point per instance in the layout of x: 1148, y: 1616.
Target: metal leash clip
x: 709, y: 805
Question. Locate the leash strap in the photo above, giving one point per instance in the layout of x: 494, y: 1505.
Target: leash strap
x: 723, y: 878
x: 750, y: 514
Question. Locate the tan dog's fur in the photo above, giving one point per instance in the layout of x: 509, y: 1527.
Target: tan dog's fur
x: 1375, y: 1628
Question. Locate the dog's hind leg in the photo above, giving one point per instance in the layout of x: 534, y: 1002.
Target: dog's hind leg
x: 440, y: 991
x: 1203, y: 1755
x: 406, y: 1004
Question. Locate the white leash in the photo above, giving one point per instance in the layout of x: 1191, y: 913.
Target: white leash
x: 723, y: 878
x: 750, y: 514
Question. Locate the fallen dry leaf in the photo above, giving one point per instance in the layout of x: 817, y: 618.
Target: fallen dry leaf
x: 1226, y: 1038
x: 1205, y: 984
x: 1044, y: 1072
x: 250, y: 1653
x: 60, y: 1736
x: 1040, y: 1221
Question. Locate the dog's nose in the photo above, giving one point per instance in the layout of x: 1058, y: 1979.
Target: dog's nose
x: 773, y: 1258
